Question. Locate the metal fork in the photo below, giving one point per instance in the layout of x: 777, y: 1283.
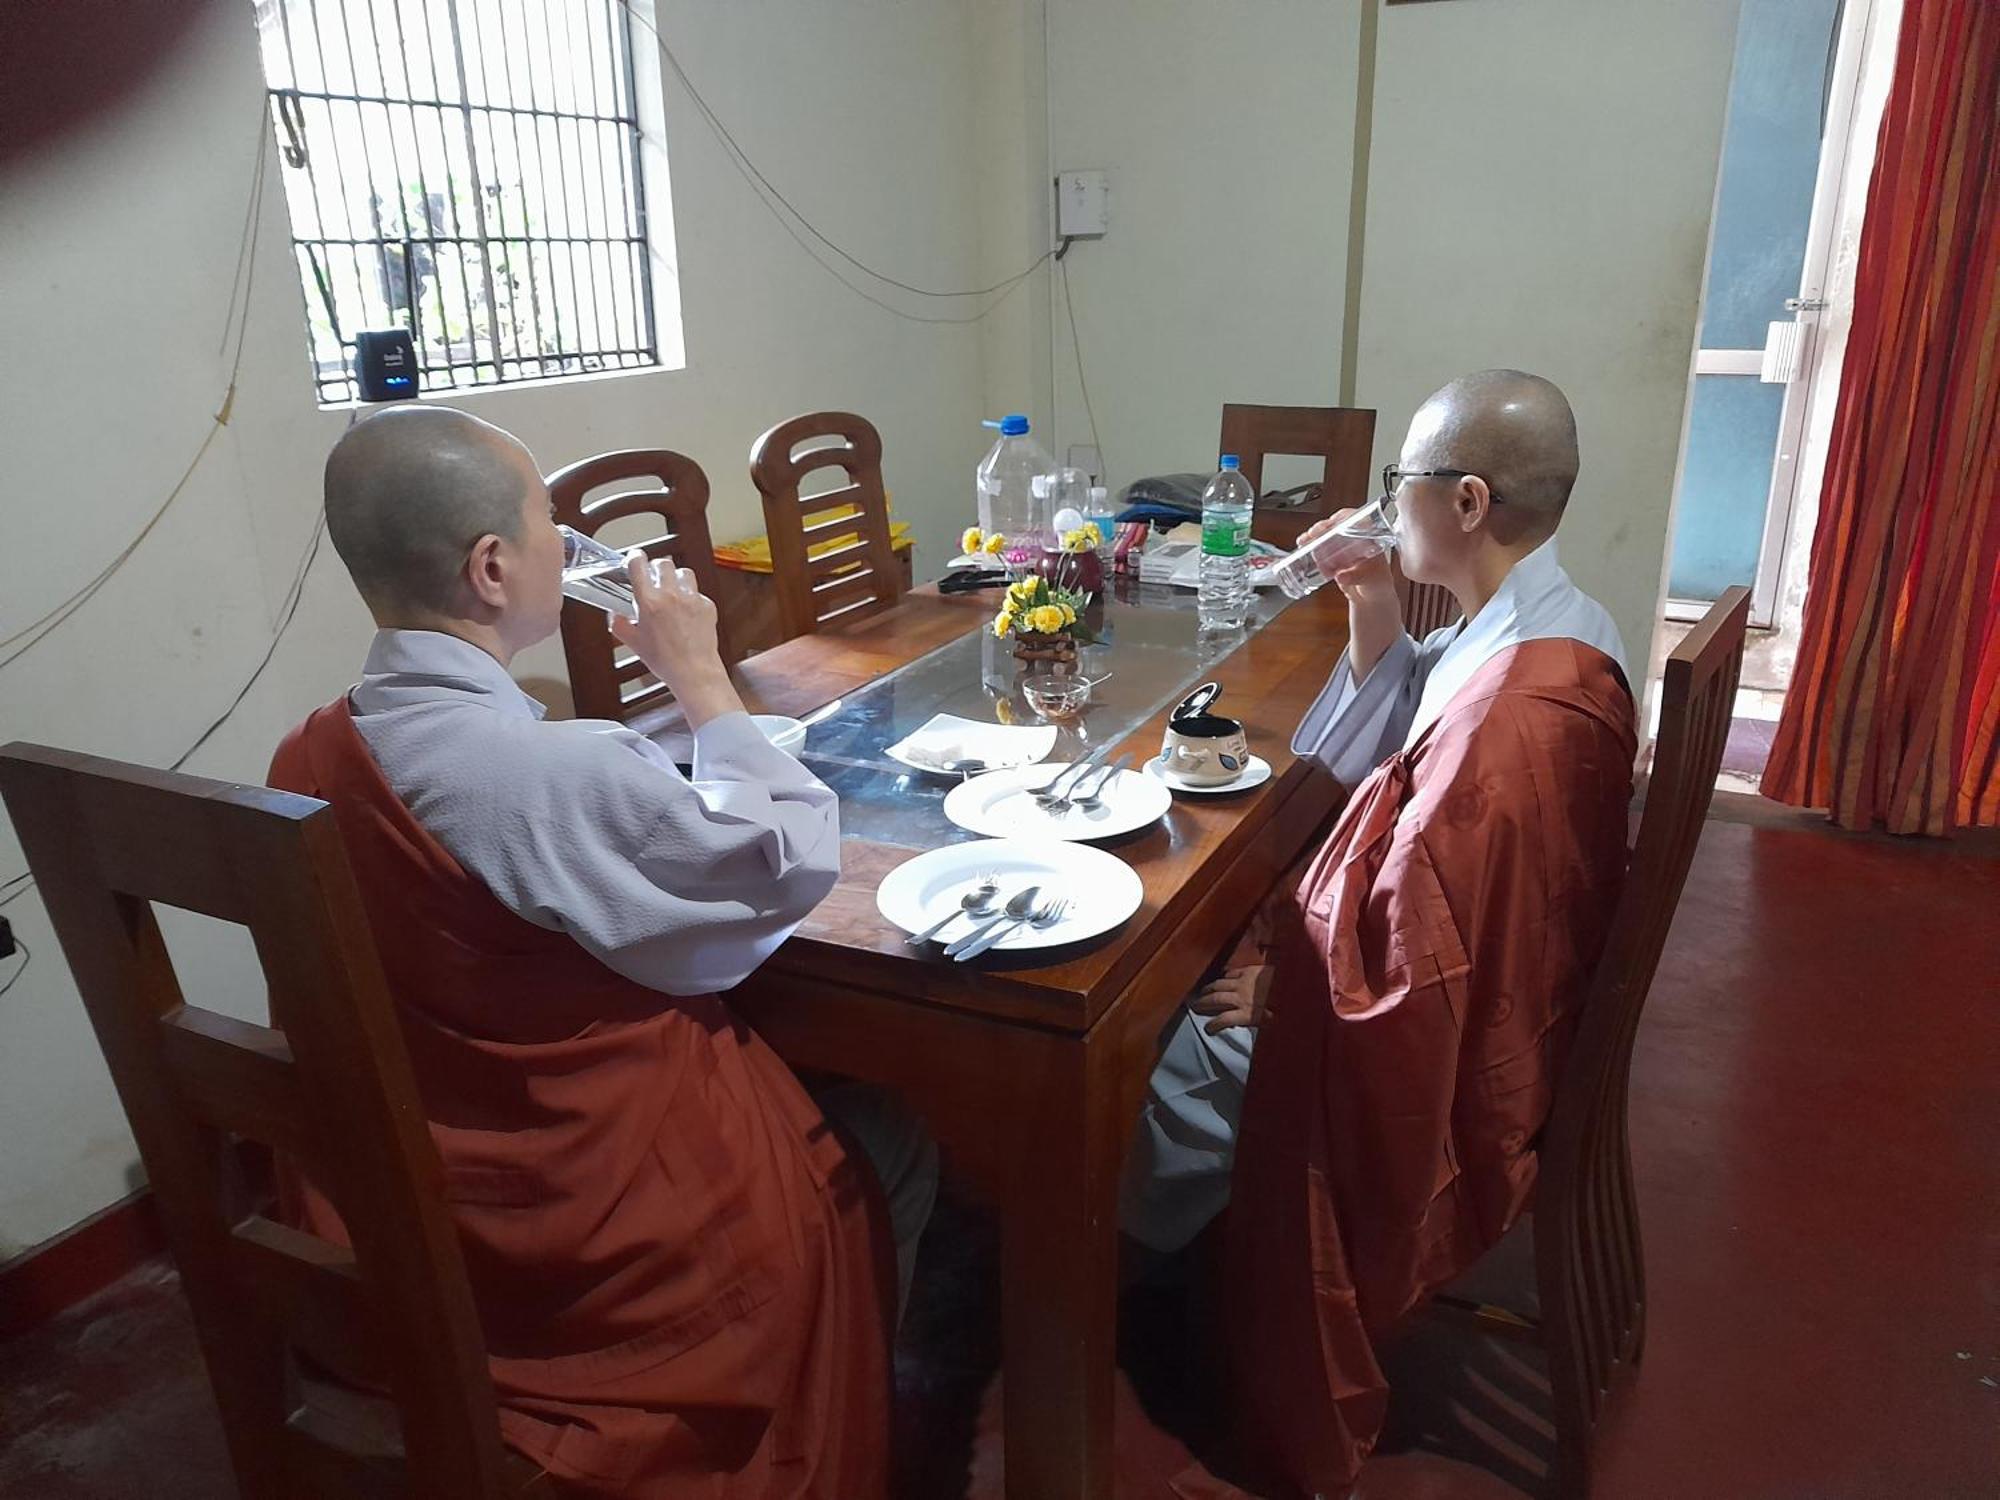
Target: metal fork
x: 1046, y: 792
x: 1046, y: 916
x: 1094, y: 798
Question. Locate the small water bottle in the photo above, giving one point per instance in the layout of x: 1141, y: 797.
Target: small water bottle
x: 1226, y: 507
x: 1099, y: 511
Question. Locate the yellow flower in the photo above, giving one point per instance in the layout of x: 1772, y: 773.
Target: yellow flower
x: 1003, y: 623
x: 972, y: 541
x: 1047, y: 619
x: 995, y: 545
x: 1083, y: 538
x: 1022, y: 593
x: 1004, y: 711
x: 1069, y: 615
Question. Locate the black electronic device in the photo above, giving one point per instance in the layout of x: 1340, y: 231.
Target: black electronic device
x: 385, y: 364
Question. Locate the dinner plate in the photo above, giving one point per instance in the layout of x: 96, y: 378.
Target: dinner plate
x: 1101, y: 888
x: 1001, y: 804
x: 1255, y: 774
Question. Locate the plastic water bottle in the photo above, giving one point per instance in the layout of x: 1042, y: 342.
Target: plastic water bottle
x: 1226, y: 507
x: 1101, y: 513
x: 1014, y: 484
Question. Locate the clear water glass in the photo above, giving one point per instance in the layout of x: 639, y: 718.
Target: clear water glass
x: 1370, y: 529
x: 595, y: 574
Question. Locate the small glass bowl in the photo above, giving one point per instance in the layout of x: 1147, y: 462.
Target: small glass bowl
x: 1056, y: 695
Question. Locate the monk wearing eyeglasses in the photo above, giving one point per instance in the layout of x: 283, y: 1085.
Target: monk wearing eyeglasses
x: 1366, y: 1091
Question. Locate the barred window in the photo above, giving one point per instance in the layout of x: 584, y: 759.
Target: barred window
x: 469, y: 170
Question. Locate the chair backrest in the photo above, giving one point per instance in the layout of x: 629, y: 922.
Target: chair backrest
x: 1586, y: 1219
x: 606, y: 680
x: 1426, y: 606
x: 1342, y: 436
x: 332, y: 1091
x: 850, y: 581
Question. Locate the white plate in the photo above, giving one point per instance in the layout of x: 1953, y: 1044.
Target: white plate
x: 1255, y: 774
x: 1102, y: 889
x: 1001, y: 805
x: 999, y: 745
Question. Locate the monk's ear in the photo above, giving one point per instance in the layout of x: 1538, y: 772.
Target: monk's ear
x: 485, y: 572
x: 1472, y: 501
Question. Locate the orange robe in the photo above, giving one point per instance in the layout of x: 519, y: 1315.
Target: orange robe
x: 681, y: 1288
x: 1427, y: 984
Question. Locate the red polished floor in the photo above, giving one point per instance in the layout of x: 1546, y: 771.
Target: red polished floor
x: 1816, y: 1117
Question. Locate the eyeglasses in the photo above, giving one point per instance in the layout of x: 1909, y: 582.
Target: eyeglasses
x: 1393, y: 477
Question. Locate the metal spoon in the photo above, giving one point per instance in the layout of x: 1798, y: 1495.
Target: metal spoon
x: 1051, y: 912
x: 978, y: 900
x: 1016, y: 910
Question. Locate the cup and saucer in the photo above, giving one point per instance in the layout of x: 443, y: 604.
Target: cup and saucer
x: 1205, y: 753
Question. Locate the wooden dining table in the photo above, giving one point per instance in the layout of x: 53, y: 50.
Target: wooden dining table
x: 1030, y: 1069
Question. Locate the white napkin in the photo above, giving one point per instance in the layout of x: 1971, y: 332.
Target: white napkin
x: 946, y: 738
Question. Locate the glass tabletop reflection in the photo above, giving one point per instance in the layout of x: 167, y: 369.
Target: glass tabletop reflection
x: 1147, y: 640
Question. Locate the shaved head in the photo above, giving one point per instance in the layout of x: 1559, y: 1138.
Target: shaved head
x: 409, y: 490
x: 1513, y: 430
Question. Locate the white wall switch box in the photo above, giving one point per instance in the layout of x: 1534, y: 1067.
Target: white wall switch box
x: 1083, y: 203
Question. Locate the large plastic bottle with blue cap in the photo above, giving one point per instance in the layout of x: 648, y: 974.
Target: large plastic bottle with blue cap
x: 1227, y: 506
x: 1015, y: 481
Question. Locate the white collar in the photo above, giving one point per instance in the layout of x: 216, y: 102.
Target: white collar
x: 1535, y: 601
x: 415, y: 666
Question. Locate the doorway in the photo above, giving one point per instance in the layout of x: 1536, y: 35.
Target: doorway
x: 1805, y: 103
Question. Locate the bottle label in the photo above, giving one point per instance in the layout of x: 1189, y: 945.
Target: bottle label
x: 1224, y: 535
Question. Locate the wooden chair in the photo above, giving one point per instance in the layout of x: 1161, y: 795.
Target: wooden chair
x: 850, y: 582
x: 1343, y: 436
x: 606, y: 680
x: 276, y: 1309
x: 1426, y: 606
x: 1590, y: 1273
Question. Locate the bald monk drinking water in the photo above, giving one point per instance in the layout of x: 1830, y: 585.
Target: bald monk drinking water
x: 672, y: 1252
x: 1367, y: 1100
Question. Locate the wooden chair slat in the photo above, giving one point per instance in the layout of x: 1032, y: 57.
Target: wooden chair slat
x: 311, y: 1289
x: 236, y: 1076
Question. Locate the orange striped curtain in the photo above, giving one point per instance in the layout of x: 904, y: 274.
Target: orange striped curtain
x: 1894, y: 705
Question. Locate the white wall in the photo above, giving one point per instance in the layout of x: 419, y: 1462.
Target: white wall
x: 1541, y: 182
x: 115, y: 260
x: 1227, y: 131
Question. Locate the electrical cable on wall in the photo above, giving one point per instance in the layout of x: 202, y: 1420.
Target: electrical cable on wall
x: 15, y: 978
x: 766, y: 192
x: 1076, y: 348
x: 290, y: 608
x: 17, y: 886
x: 237, y: 314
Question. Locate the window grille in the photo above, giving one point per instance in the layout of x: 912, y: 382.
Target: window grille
x: 469, y: 170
